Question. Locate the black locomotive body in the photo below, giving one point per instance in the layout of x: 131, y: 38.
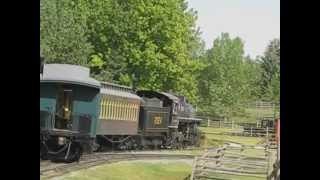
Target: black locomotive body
x: 154, y: 119
x: 169, y: 117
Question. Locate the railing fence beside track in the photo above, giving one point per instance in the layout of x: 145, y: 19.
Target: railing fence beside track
x: 230, y: 162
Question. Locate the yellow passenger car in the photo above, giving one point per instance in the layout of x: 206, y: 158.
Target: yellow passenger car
x: 119, y: 112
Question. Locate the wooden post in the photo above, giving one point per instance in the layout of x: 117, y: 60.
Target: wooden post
x: 278, y: 150
x: 267, y: 135
x: 268, y: 164
x: 208, y: 122
x: 251, y: 131
x: 274, y: 110
x: 220, y: 123
x: 194, y: 166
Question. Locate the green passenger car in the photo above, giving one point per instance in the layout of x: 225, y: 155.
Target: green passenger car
x: 69, y: 110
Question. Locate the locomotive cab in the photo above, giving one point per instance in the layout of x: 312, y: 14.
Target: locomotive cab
x: 155, y: 112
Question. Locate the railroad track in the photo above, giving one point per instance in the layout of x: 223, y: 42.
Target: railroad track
x: 50, y: 170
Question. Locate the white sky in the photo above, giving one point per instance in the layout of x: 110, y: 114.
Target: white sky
x: 256, y: 22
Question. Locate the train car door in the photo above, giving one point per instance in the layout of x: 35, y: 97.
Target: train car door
x: 63, y: 118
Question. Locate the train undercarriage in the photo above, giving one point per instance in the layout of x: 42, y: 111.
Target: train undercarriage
x: 187, y: 134
x: 69, y: 148
x: 64, y: 147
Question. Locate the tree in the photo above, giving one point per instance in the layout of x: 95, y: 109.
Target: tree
x: 63, y: 33
x: 222, y: 84
x: 270, y: 64
x: 252, y: 68
x: 150, y: 44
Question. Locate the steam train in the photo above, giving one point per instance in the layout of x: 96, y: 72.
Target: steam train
x: 79, y: 114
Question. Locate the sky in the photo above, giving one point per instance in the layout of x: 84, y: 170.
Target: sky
x: 256, y: 22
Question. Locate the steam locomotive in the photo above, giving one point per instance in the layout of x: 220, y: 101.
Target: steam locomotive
x: 79, y: 114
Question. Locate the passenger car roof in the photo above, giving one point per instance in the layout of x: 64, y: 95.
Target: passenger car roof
x: 67, y: 73
x: 118, y: 91
x: 121, y: 94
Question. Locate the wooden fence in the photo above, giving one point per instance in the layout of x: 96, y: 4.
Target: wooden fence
x: 263, y: 105
x: 230, y: 162
x: 254, y: 112
x: 216, y: 123
x: 220, y: 124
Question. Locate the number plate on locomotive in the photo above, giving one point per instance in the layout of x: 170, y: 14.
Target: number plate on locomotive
x: 157, y: 120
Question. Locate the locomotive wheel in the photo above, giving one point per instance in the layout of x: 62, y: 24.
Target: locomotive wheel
x: 74, y: 154
x: 69, y: 156
x: 177, y: 144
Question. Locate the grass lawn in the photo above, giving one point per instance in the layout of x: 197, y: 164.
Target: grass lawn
x: 214, y: 137
x: 134, y: 170
x: 210, y: 130
x: 194, y: 151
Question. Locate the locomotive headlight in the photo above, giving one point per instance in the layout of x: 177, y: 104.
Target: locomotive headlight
x: 62, y: 140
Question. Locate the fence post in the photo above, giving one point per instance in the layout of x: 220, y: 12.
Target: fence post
x: 267, y: 135
x: 194, y: 166
x: 251, y: 130
x: 278, y: 153
x: 208, y: 122
x: 220, y: 123
x: 274, y: 110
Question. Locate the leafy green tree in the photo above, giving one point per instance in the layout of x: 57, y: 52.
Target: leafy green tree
x: 63, y: 33
x: 252, y: 68
x: 270, y: 64
x: 222, y: 83
x: 149, y: 44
